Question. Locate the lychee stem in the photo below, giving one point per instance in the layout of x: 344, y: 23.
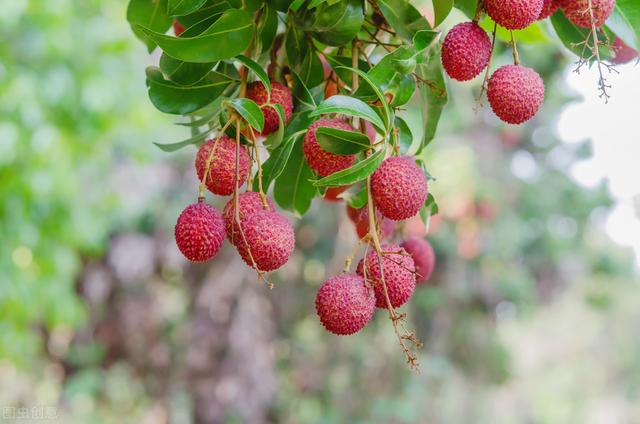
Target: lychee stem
x: 602, y: 83
x: 488, y: 71
x: 349, y: 259
x: 263, y: 196
x: 207, y: 169
x: 516, y: 58
x: 479, y: 10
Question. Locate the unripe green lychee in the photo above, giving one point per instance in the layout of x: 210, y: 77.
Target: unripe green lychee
x: 345, y: 304
x: 577, y: 11
x: 322, y: 162
x: 399, y: 275
x: 513, y: 14
x: 280, y: 94
x: 399, y: 188
x: 515, y: 93
x: 465, y: 51
x: 199, y: 232
x: 249, y: 203
x: 222, y: 171
x: 423, y: 256
x: 269, y: 241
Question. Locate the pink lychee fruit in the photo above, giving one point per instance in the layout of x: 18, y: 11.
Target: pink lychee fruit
x: 465, y: 51
x: 222, y: 171
x: 399, y: 188
x: 345, y: 304
x: 354, y: 213
x: 577, y: 11
x: 549, y: 7
x: 269, y: 241
x: 513, y: 14
x: 280, y: 94
x: 322, y: 162
x: 178, y: 28
x: 423, y: 256
x: 623, y: 52
x: 199, y: 232
x: 249, y: 203
x: 386, y: 227
x: 332, y: 193
x: 515, y: 93
x: 399, y: 275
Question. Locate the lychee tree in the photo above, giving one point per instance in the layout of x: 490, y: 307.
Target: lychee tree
x: 301, y: 99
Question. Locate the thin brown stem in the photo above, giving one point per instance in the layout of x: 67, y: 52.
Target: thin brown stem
x: 485, y: 81
x: 516, y: 58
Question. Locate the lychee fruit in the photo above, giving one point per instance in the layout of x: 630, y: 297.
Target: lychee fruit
x: 465, y: 51
x: 515, y: 93
x: 322, y: 162
x: 386, y: 227
x: 399, y: 188
x: 345, y: 304
x: 199, y: 232
x: 269, y: 241
x: 222, y: 171
x: 423, y: 256
x: 354, y: 213
x: 513, y: 14
x: 249, y: 203
x: 280, y: 94
x: 178, y: 29
x: 577, y: 11
x: 399, y: 275
x: 332, y: 193
x: 549, y: 7
x: 623, y: 52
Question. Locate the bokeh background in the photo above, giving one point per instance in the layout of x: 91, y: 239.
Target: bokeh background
x: 532, y: 315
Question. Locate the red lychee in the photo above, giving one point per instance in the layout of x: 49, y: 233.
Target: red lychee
x: 322, y: 162
x: 399, y: 188
x: 345, y: 304
x: 280, y: 94
x: 513, y: 14
x: 199, y: 232
x: 515, y: 93
x: 399, y: 275
x: 222, y: 171
x: 577, y: 11
x: 423, y: 256
x: 249, y: 203
x: 465, y: 51
x: 178, y: 29
x: 332, y: 193
x: 549, y: 7
x: 269, y: 239
x: 353, y: 213
x: 386, y: 226
x: 623, y: 52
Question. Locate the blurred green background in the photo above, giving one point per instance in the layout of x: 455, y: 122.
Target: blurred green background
x: 531, y: 316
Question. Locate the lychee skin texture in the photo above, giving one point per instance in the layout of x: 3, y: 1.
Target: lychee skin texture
x: 399, y: 275
x: 280, y: 94
x: 466, y: 51
x: 423, y: 256
x: 549, y: 7
x: 399, y: 188
x: 249, y: 203
x: 322, y: 162
x: 386, y: 226
x: 345, y: 304
x: 574, y: 10
x: 269, y: 238
x: 199, y: 232
x: 222, y: 172
x: 623, y: 52
x: 513, y: 14
x: 515, y: 93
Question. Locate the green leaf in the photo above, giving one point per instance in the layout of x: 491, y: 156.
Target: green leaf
x: 624, y: 27
x: 337, y: 24
x: 405, y: 137
x: 172, y: 147
x: 274, y: 139
x: 349, y: 106
x: 571, y: 35
x: 277, y: 161
x: 249, y: 111
x: 268, y: 27
x: 359, y: 200
x: 468, y: 7
x: 170, y: 97
x: 227, y: 37
x: 311, y: 69
x: 441, y: 9
x: 630, y: 11
x: 293, y: 189
x: 257, y: 69
x: 533, y: 34
x: 379, y: 95
x: 183, y: 73
x: 403, y: 17
x: 295, y: 45
x: 183, y: 7
x: 341, y: 65
x: 429, y: 209
x: 357, y: 172
x: 302, y: 93
x: 341, y: 142
x: 149, y: 14
x: 434, y: 97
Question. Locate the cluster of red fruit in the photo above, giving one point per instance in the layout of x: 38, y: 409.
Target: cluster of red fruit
x: 515, y: 92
